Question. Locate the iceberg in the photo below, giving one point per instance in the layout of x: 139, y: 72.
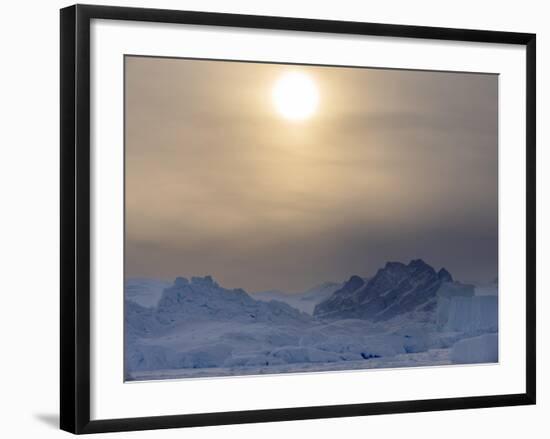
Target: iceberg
x: 480, y: 349
x: 471, y: 315
x: 406, y: 315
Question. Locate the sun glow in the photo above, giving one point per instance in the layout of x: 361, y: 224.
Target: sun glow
x: 295, y: 96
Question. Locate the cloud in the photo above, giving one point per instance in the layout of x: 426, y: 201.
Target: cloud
x: 395, y: 165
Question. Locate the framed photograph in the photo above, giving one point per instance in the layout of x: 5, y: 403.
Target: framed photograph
x: 268, y: 218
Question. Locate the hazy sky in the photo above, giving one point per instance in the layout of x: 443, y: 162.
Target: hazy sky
x: 394, y: 165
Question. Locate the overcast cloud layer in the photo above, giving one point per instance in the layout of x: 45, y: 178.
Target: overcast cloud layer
x: 395, y: 165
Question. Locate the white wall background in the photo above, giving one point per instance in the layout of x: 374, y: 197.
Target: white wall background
x: 29, y: 248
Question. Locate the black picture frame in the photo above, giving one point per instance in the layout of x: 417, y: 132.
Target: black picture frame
x: 75, y: 217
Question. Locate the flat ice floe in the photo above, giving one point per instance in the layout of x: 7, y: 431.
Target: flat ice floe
x: 433, y: 357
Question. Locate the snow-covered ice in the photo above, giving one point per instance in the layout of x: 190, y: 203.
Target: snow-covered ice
x: 195, y: 327
x: 304, y: 301
x: 480, y: 349
x: 146, y: 292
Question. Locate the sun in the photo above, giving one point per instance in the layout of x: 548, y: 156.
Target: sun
x: 295, y: 96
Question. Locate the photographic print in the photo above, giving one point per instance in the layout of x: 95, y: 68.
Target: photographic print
x: 298, y: 218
